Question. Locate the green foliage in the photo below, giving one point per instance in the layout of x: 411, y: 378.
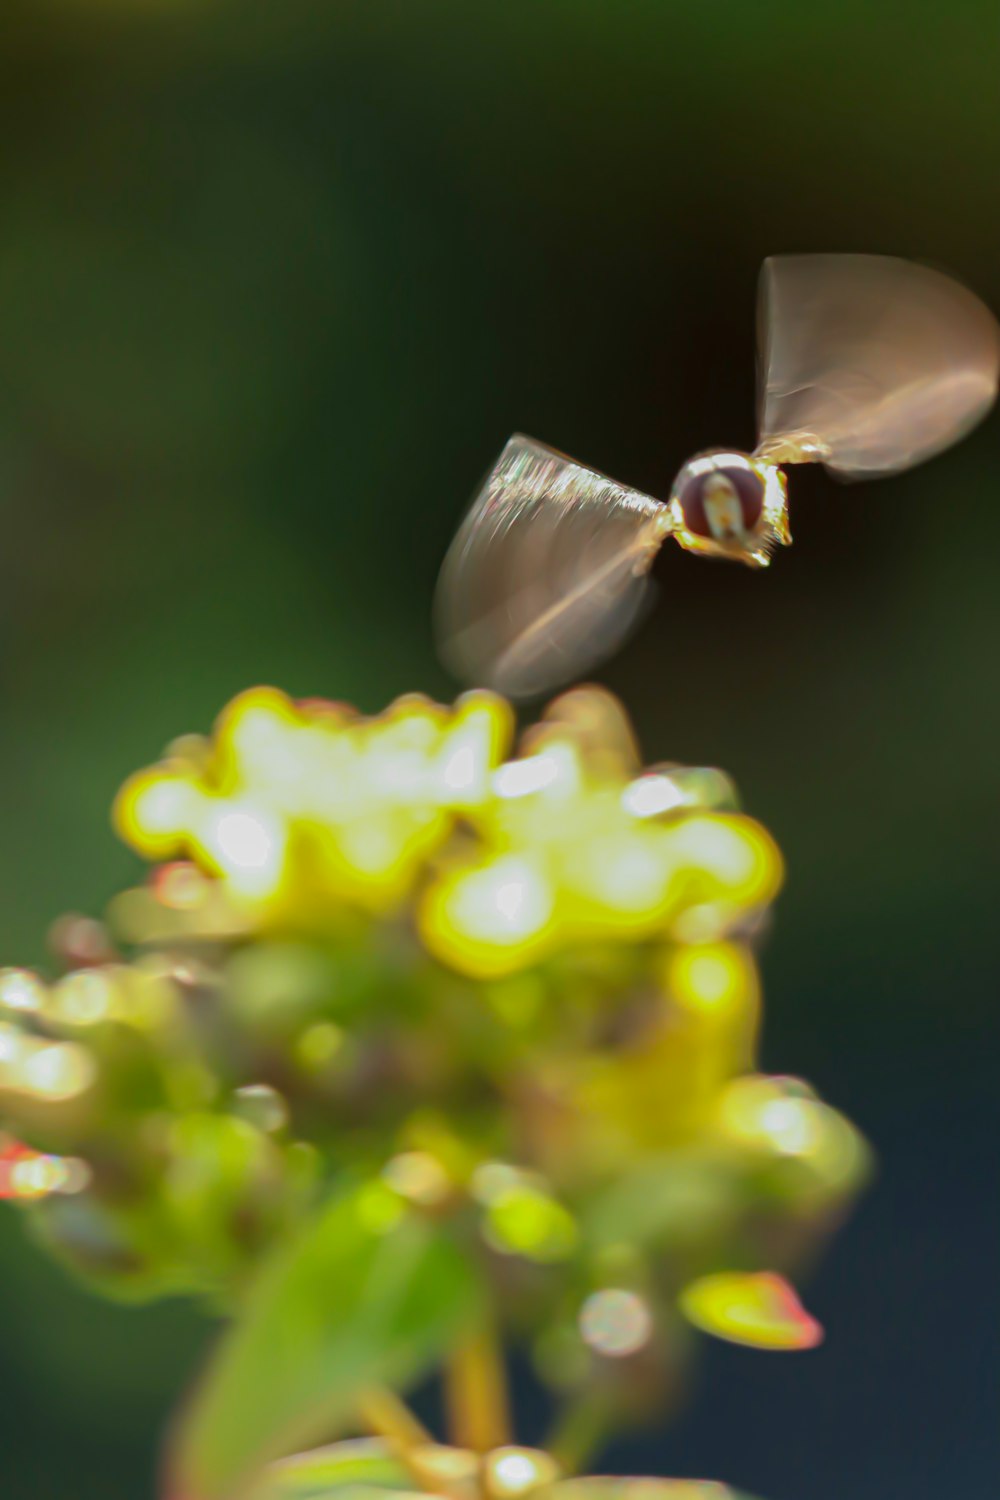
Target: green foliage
x: 608, y: 1488
x: 343, y: 1307
x: 366, y: 1471
x: 364, y: 1467
x: 408, y: 1039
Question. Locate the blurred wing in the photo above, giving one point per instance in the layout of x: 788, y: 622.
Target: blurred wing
x: 869, y: 363
x: 547, y: 573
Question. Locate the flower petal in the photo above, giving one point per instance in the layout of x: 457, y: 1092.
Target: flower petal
x: 759, y: 1309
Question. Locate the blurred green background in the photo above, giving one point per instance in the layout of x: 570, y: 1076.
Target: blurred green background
x: 276, y: 282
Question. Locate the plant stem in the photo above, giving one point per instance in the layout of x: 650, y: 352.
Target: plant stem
x: 579, y: 1430
x: 437, y: 1471
x: 382, y: 1411
x: 476, y: 1392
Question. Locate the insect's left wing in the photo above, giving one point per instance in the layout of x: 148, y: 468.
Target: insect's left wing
x: 868, y: 363
x: 547, y: 573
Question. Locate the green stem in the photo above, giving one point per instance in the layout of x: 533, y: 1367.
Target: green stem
x: 476, y: 1392
x: 435, y: 1470
x: 384, y: 1414
x: 581, y: 1428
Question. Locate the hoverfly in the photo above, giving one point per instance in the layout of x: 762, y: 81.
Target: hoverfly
x: 867, y: 364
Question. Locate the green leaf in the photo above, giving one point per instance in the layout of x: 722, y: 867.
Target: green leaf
x: 347, y: 1491
x: 606, y: 1488
x: 364, y: 1470
x: 364, y: 1467
x: 343, y: 1307
x: 666, y: 1200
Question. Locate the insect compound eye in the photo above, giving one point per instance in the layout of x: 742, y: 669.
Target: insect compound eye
x: 723, y: 503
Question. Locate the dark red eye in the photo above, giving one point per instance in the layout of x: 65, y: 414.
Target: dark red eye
x: 735, y: 499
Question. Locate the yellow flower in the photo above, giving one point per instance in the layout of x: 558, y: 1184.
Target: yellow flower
x: 297, y: 806
x: 301, y: 811
x: 514, y: 985
x: 578, y: 846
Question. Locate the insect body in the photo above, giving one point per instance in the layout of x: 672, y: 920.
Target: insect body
x: 868, y: 365
x: 731, y: 505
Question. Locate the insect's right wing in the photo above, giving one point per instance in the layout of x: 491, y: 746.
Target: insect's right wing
x: 547, y: 573
x: 868, y: 363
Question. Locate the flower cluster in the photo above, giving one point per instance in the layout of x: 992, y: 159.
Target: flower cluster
x: 512, y: 991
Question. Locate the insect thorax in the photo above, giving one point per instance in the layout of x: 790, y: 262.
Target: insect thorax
x: 731, y: 505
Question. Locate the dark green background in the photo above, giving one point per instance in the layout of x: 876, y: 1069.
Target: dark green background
x: 276, y: 282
